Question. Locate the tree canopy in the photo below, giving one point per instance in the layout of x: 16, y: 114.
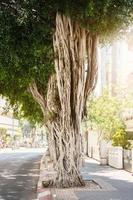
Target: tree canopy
x: 101, y: 17
x: 26, y: 29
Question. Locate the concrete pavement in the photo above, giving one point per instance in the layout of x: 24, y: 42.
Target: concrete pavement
x: 19, y: 171
x: 115, y: 185
x: 118, y: 183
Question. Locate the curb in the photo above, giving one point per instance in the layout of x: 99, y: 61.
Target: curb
x: 43, y: 193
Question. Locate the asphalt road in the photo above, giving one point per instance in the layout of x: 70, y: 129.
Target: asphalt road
x: 19, y: 172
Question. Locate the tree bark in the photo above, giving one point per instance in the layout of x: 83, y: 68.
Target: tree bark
x: 75, y: 65
x: 75, y: 51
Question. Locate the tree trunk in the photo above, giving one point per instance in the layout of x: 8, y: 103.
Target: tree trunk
x: 51, y: 143
x: 76, y: 73
x: 68, y: 154
x: 75, y: 65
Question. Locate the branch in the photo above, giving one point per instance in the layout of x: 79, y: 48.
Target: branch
x: 37, y: 96
x: 91, y: 77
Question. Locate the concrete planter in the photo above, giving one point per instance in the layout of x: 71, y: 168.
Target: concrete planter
x: 115, y: 158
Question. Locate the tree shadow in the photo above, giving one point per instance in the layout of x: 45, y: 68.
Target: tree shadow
x: 121, y: 180
x: 20, y: 184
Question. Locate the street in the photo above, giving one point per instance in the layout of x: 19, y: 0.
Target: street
x: 19, y: 170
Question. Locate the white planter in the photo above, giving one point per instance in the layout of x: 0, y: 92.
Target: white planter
x: 115, y: 158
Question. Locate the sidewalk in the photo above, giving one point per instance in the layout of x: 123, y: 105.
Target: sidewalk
x: 119, y: 182
x: 116, y: 184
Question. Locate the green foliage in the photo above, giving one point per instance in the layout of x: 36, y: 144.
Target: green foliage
x: 120, y: 139
x: 105, y: 112
x: 26, y: 41
x: 3, y: 132
x: 26, y: 107
x: 3, y: 135
x: 25, y: 53
x: 102, y: 17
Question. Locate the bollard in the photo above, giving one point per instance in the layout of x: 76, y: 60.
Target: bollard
x: 132, y: 161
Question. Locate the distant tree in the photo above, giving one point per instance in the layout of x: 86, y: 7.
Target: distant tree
x: 48, y: 52
x: 3, y: 135
x: 105, y: 114
x: 120, y: 138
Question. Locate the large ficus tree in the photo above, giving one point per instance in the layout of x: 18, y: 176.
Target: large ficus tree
x: 49, y: 55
